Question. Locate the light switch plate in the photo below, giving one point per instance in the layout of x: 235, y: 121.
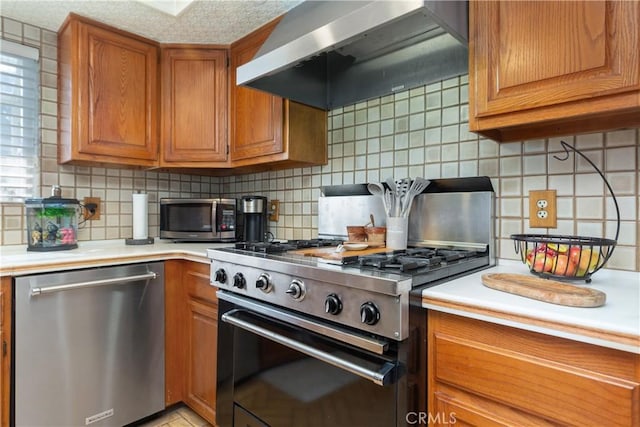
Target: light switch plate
x: 543, y: 209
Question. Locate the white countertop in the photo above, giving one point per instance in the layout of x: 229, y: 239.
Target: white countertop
x: 15, y: 260
x: 616, y: 324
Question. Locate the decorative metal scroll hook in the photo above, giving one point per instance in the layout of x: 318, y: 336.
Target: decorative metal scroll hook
x: 615, y: 202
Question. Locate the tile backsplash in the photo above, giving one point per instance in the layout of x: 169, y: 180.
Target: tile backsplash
x: 419, y: 132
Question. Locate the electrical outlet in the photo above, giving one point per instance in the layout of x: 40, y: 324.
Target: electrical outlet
x: 90, y: 212
x: 542, y: 209
x: 274, y: 210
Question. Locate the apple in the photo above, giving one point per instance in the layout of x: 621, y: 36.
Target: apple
x: 542, y: 262
x: 543, y: 248
x: 574, y: 254
x: 562, y: 265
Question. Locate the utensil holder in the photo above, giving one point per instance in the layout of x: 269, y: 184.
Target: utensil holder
x: 397, y: 232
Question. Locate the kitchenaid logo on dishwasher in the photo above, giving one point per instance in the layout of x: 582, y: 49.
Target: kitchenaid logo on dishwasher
x: 97, y: 417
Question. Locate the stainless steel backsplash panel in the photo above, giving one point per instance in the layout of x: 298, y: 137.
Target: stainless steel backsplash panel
x: 336, y: 212
x: 453, y: 217
x: 458, y: 218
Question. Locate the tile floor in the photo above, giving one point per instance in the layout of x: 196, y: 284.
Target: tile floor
x: 180, y: 416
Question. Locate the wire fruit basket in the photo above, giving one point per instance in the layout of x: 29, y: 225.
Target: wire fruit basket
x: 567, y: 257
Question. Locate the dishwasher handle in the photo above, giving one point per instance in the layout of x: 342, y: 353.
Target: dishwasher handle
x: 93, y: 283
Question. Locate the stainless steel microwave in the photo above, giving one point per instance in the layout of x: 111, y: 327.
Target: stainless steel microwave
x: 199, y: 220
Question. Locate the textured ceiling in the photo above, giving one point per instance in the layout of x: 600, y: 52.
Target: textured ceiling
x: 204, y: 21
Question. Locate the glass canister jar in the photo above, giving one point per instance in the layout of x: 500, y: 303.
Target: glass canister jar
x: 52, y: 223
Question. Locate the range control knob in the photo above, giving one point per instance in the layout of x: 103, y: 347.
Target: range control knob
x: 220, y: 276
x: 264, y: 283
x: 296, y: 290
x: 239, y: 281
x: 369, y: 313
x: 332, y: 304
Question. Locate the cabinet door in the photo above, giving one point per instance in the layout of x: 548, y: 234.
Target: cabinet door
x: 194, y: 107
x: 256, y: 116
x: 5, y: 349
x: 201, y: 336
x: 175, y: 353
x: 107, y: 95
x: 191, y: 309
x: 481, y: 370
x: 575, y: 59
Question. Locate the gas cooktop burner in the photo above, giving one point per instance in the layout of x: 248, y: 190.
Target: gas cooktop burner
x: 414, y: 258
x: 280, y: 247
x: 265, y: 247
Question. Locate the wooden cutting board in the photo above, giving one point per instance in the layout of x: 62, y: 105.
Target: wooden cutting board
x: 545, y: 290
x: 329, y: 253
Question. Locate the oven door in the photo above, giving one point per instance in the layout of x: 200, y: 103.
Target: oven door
x: 272, y: 372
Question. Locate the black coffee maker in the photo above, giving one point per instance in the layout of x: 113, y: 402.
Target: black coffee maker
x: 254, y: 213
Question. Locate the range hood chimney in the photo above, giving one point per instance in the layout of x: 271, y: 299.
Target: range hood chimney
x: 332, y: 53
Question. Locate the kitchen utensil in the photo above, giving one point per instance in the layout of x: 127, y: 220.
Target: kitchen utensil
x: 373, y: 222
x: 391, y: 184
x: 378, y: 189
x: 417, y: 187
x: 545, y: 290
x: 375, y: 188
x: 402, y: 187
x: 389, y: 202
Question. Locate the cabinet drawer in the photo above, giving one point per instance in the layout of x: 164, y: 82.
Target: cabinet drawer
x: 549, y: 389
x: 196, y: 282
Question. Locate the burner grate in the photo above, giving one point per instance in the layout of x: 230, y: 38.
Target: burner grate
x: 415, y: 258
x: 280, y: 247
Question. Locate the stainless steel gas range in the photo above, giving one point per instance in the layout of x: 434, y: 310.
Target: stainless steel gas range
x: 303, y: 341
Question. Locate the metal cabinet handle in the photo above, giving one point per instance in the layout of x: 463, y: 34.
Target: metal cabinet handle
x: 381, y: 377
x: 92, y: 283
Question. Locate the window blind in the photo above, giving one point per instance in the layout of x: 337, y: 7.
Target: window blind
x: 19, y: 121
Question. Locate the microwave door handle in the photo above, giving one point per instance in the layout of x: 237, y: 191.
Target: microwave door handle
x: 214, y: 215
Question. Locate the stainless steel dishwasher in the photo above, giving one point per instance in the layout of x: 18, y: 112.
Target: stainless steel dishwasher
x: 89, y: 346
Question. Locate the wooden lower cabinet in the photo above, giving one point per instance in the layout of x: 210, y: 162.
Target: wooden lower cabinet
x: 191, y: 328
x: 483, y: 374
x: 5, y: 349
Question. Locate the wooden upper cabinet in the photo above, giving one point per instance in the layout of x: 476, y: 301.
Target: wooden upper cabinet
x: 194, y: 107
x: 256, y: 116
x: 574, y: 68
x: 268, y: 130
x: 107, y: 95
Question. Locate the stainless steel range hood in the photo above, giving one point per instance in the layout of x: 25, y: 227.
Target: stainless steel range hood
x: 332, y: 53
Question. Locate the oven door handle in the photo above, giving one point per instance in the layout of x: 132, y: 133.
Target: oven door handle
x: 381, y: 377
